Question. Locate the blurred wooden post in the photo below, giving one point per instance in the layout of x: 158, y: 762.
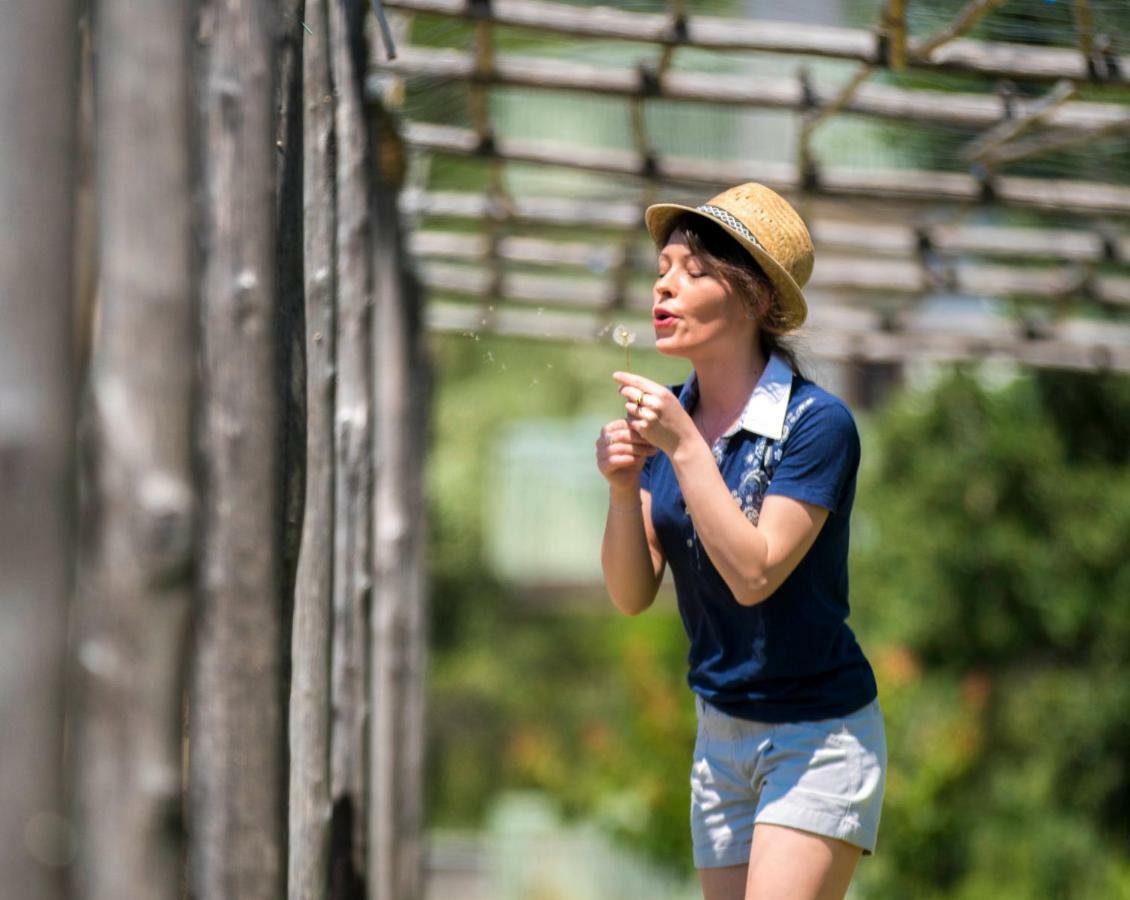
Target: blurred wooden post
x: 352, y: 565
x: 398, y: 619
x: 38, y: 91
x: 310, y: 805
x: 236, y: 749
x: 138, y: 525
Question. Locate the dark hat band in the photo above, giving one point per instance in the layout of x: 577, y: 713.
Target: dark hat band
x: 728, y: 218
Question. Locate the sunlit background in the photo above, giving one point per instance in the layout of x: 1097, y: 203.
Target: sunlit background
x: 990, y: 577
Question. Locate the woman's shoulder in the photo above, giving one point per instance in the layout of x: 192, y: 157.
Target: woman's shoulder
x: 808, y: 397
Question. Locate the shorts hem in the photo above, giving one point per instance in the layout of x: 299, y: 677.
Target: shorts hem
x: 737, y: 855
x: 840, y: 829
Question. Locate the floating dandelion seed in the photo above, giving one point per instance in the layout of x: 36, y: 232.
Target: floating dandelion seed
x: 625, y: 338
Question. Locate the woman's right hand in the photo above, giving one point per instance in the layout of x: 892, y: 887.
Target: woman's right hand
x: 620, y: 454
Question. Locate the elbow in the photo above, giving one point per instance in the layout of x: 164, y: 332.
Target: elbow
x: 753, y: 589
x: 630, y: 606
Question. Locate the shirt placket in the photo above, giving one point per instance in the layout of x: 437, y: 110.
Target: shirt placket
x: 718, y: 450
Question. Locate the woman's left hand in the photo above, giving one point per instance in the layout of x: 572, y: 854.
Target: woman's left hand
x: 654, y: 413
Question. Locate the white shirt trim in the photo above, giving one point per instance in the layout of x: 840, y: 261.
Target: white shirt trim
x: 768, y: 403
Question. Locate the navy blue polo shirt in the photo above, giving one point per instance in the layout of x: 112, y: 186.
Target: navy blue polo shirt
x: 791, y: 657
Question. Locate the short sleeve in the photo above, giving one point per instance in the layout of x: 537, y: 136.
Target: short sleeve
x: 645, y: 474
x: 819, y: 458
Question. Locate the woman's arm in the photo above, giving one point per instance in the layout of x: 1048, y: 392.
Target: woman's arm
x: 632, y: 561
x: 630, y: 555
x: 753, y: 560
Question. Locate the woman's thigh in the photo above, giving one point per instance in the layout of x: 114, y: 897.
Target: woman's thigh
x: 785, y: 864
x: 723, y: 883
x: 788, y: 864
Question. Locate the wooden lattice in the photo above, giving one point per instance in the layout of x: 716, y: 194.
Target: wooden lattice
x: 1064, y: 278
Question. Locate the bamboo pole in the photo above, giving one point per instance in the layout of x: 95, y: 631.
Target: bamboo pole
x: 908, y: 185
x: 38, y: 106
x: 236, y: 720
x: 310, y: 807
x: 1084, y: 31
x: 998, y: 60
x: 1010, y: 129
x: 967, y: 17
x: 139, y: 528
x: 353, y: 480
x: 892, y: 30
x: 1051, y: 143
x: 882, y: 101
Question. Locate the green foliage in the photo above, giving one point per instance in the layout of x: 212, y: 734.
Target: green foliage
x: 994, y: 590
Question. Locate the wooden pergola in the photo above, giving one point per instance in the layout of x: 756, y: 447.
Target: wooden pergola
x: 886, y: 240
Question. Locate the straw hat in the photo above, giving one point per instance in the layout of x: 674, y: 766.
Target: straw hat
x: 763, y: 222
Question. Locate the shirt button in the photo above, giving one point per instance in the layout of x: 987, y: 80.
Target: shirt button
x: 690, y: 542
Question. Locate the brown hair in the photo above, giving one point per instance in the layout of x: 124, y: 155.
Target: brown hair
x: 728, y: 261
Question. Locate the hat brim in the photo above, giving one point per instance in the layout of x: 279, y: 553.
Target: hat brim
x: 659, y: 217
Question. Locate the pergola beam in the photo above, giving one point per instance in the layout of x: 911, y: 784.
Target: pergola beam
x: 909, y: 185
x: 997, y: 60
x: 1050, y: 244
x: 843, y: 272
x: 753, y: 91
x: 843, y: 336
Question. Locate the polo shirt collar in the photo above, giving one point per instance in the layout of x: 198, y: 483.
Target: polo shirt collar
x: 765, y: 410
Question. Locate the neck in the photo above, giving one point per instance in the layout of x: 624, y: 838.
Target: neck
x: 724, y: 384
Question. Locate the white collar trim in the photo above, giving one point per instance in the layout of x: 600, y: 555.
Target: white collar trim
x: 765, y: 410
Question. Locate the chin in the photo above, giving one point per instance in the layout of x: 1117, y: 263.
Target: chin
x: 669, y: 345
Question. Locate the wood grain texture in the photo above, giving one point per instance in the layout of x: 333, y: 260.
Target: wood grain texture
x: 310, y: 805
x: 237, y: 722
x: 38, y: 82
x: 138, y: 528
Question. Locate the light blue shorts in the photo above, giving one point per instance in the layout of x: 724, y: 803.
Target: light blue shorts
x: 825, y: 777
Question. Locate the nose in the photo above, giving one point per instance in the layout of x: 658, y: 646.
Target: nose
x: 662, y: 288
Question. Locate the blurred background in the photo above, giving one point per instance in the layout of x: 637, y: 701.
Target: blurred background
x: 305, y: 344
x: 991, y: 539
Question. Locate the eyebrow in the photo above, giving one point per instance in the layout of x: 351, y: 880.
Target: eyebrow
x: 663, y: 254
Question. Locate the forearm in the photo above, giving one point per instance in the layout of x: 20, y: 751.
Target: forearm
x: 738, y: 550
x: 629, y: 571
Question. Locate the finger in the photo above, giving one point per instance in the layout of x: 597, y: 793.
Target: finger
x: 638, y: 381
x: 633, y: 395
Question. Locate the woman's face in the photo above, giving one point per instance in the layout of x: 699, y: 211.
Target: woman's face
x: 695, y: 314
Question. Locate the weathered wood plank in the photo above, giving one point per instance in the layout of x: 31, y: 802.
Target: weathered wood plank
x: 353, y: 490
x: 138, y: 529
x: 397, y: 632
x: 237, y: 719
x: 38, y: 100
x: 310, y: 803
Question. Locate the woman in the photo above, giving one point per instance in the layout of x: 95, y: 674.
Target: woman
x: 742, y: 480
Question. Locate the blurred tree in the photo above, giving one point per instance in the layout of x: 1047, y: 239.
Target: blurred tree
x: 993, y: 577
x: 991, y: 589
